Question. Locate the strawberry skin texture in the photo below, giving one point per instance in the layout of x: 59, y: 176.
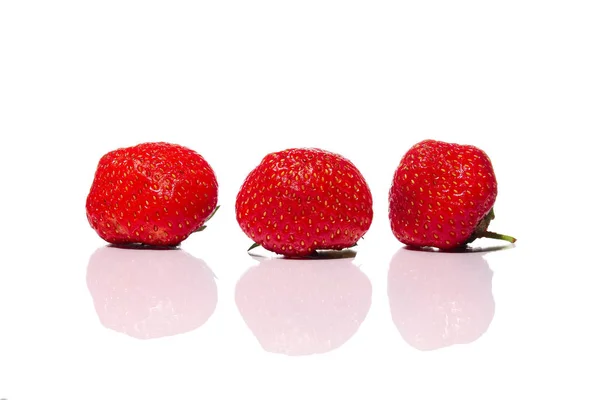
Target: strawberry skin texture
x: 440, y: 195
x: 155, y: 194
x: 300, y: 200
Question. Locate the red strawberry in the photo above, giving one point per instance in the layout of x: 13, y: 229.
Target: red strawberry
x: 155, y: 194
x: 297, y: 201
x: 442, y: 196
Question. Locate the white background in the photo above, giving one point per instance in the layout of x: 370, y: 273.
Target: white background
x: 235, y: 80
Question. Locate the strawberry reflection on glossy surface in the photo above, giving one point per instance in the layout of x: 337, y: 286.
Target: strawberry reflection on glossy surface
x: 148, y: 293
x: 303, y: 307
x: 440, y: 299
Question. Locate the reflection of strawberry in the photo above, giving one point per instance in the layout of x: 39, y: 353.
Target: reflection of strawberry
x: 299, y: 200
x: 437, y: 300
x: 302, y: 307
x: 152, y: 193
x: 150, y: 293
x: 442, y: 196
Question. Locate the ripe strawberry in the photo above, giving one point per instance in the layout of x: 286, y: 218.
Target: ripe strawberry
x: 155, y: 194
x: 297, y: 201
x: 442, y: 196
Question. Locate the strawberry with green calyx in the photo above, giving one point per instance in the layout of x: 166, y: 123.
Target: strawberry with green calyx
x: 442, y: 195
x: 154, y: 194
x: 301, y: 200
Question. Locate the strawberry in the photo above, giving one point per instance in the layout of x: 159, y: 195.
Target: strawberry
x: 155, y: 194
x: 442, y: 196
x: 297, y: 201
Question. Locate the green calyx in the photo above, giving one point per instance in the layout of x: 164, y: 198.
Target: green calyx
x: 203, y: 227
x: 481, y: 230
x: 254, y: 245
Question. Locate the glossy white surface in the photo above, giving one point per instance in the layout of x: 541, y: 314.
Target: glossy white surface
x: 235, y: 80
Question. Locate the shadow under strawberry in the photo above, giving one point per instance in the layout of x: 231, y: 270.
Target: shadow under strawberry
x: 439, y: 299
x: 315, y: 255
x: 467, y: 248
x: 150, y: 293
x: 303, y: 307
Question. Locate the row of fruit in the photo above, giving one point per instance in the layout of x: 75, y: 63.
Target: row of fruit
x: 296, y: 201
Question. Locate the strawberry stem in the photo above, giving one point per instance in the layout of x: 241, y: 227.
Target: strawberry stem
x: 481, y: 230
x: 494, y: 235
